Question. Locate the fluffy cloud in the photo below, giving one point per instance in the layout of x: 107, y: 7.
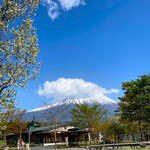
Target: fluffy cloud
x: 53, y: 9
x: 72, y: 88
x: 69, y: 4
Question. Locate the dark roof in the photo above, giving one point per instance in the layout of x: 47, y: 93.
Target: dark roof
x: 63, y: 131
x: 45, y: 128
x: 10, y: 134
x: 74, y: 129
x: 41, y: 128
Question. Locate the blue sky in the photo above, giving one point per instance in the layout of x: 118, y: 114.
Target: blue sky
x: 105, y: 42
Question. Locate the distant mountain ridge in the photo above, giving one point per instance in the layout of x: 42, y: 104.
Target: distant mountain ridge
x: 103, y: 100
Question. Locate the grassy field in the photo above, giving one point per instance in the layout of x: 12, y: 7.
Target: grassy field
x: 1, y: 142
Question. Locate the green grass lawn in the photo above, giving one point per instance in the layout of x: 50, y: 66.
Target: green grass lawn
x: 133, y: 149
x: 1, y: 142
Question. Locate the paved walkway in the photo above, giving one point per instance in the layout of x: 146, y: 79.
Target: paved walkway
x: 52, y: 147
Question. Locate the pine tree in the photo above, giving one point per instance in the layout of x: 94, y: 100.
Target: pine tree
x: 135, y: 104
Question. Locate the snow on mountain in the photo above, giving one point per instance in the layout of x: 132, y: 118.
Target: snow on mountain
x: 103, y: 100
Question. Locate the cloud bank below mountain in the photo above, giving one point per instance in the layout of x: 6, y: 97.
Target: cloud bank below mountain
x: 72, y: 88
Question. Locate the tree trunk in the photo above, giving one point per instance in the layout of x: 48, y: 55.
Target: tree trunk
x: 141, y: 131
x: 133, y: 137
x: 55, y: 140
x: 115, y: 135
x: 5, y: 139
x: 89, y: 137
x: 55, y: 136
x: 20, y: 140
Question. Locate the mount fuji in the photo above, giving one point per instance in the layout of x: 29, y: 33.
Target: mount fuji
x: 69, y: 103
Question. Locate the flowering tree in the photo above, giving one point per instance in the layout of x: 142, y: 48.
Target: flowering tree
x: 18, y: 50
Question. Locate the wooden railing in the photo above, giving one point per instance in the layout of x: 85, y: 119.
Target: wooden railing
x: 120, y: 145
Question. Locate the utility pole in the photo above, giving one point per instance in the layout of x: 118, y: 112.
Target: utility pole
x: 148, y: 134
x: 29, y: 135
x: 105, y: 117
x: 55, y: 125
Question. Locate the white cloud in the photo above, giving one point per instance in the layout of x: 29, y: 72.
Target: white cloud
x: 111, y: 91
x: 52, y: 8
x: 69, y: 4
x: 72, y: 88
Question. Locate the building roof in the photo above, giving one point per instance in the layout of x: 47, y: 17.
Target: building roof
x: 73, y: 131
x: 48, y: 129
x: 45, y: 128
x: 33, y: 129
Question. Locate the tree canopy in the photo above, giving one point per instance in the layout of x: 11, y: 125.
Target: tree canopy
x: 87, y: 117
x: 111, y: 129
x: 18, y: 43
x: 17, y: 124
x: 135, y: 104
x: 18, y: 49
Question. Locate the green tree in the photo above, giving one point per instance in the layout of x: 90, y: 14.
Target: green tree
x: 111, y: 129
x: 135, y: 104
x: 131, y: 128
x: 18, y: 48
x: 118, y: 128
x: 7, y: 108
x: 8, y: 103
x: 105, y: 129
x: 87, y: 117
x: 17, y: 124
x: 36, y: 123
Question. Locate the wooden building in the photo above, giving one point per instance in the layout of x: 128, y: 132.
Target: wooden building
x: 46, y: 135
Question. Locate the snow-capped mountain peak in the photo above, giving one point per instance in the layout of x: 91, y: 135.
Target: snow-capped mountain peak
x: 102, y: 99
